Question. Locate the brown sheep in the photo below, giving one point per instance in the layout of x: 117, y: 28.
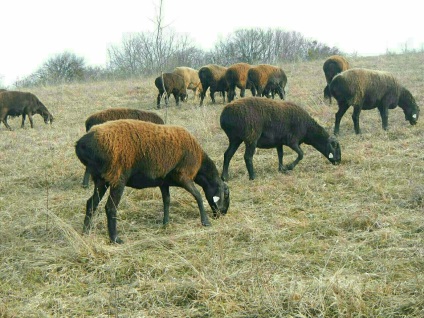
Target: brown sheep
x: 265, y: 123
x: 236, y: 76
x: 266, y: 80
x: 103, y: 116
x: 174, y: 84
x: 14, y: 103
x: 368, y: 89
x: 212, y: 76
x: 136, y: 154
x: 334, y: 65
x: 191, y: 79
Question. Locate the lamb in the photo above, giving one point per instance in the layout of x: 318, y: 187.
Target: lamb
x: 191, y: 78
x: 236, y: 75
x: 266, y: 123
x: 368, y: 89
x: 334, y: 65
x: 135, y: 153
x: 212, y: 76
x: 174, y: 84
x: 114, y: 114
x: 265, y: 79
x: 14, y: 103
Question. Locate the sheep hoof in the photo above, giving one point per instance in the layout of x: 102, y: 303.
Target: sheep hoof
x: 118, y: 241
x: 206, y: 223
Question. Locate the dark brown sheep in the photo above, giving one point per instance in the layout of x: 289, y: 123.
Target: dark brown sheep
x: 368, y: 89
x: 212, y: 76
x: 266, y: 123
x: 115, y: 114
x: 266, y: 80
x: 13, y: 103
x: 191, y: 78
x: 174, y: 84
x: 136, y: 154
x: 236, y: 76
x: 334, y: 65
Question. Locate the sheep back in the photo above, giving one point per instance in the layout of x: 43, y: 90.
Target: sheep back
x: 121, y: 113
x: 125, y: 145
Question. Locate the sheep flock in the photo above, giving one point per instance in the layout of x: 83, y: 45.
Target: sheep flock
x: 124, y: 147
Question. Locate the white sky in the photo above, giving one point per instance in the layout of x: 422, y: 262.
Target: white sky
x: 34, y: 30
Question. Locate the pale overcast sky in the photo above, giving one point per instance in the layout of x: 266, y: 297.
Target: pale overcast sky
x: 32, y: 31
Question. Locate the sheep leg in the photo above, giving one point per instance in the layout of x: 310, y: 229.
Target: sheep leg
x: 280, y: 153
x: 112, y: 203
x: 23, y: 120
x: 190, y: 187
x: 166, y: 199
x: 212, y: 93
x: 248, y: 159
x: 242, y: 92
x: 30, y: 121
x: 355, y: 118
x: 203, y: 94
x: 158, y: 100
x: 229, y: 153
x: 4, y: 121
x: 384, y: 113
x: 86, y: 178
x: 343, y: 107
x: 93, y: 202
x: 177, y: 102
x: 299, y: 152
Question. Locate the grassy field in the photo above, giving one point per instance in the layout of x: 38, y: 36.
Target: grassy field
x: 319, y: 241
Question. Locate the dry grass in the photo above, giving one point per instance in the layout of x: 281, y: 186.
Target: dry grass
x: 320, y: 241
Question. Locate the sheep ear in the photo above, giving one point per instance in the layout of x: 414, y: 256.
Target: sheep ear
x: 215, y: 199
x: 414, y: 116
x: 330, y: 156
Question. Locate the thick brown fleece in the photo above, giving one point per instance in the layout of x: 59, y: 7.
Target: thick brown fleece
x: 236, y: 75
x: 333, y: 65
x: 190, y: 76
x: 121, y: 113
x: 260, y: 75
x: 154, y: 149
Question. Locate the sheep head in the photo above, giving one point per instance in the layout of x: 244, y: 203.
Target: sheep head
x: 333, y: 153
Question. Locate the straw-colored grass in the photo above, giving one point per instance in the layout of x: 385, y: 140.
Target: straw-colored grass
x: 319, y: 241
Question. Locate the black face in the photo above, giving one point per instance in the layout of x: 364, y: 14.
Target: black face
x: 220, y: 201
x: 183, y: 97
x: 334, y: 153
x: 412, y: 116
x: 47, y: 118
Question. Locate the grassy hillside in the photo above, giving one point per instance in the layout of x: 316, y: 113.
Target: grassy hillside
x: 319, y: 241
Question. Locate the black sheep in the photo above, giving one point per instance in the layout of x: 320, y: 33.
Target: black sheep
x: 14, y: 103
x: 267, y: 123
x: 174, y: 84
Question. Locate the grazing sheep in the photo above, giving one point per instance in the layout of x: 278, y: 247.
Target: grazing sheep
x: 368, y: 89
x: 14, y: 103
x: 136, y: 154
x: 174, y: 84
x: 191, y: 78
x: 236, y: 75
x: 266, y: 80
x: 212, y: 76
x: 115, y: 114
x: 334, y: 65
x: 265, y: 123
